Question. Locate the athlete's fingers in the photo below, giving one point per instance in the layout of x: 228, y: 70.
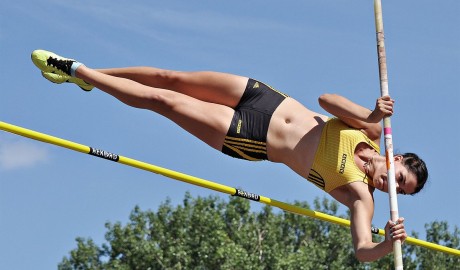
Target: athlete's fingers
x: 397, y: 230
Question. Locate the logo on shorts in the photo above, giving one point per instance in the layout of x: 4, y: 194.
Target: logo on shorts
x: 256, y: 85
x: 238, y: 128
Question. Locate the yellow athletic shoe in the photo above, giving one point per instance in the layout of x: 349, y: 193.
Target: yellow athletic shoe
x: 56, y: 78
x: 52, y: 63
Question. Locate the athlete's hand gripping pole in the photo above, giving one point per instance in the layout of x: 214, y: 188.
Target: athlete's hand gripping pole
x: 387, y: 130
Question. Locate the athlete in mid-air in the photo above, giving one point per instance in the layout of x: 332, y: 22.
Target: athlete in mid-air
x: 247, y: 119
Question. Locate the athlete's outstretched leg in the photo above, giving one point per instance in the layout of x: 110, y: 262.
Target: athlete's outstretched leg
x: 206, y: 120
x: 215, y: 87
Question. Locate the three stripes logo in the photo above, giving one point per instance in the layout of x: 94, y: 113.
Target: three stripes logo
x: 316, y: 179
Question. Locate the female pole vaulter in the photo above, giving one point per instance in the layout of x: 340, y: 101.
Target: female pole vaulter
x: 245, y: 118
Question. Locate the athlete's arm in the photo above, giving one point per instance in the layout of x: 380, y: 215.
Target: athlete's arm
x: 365, y: 249
x: 357, y: 116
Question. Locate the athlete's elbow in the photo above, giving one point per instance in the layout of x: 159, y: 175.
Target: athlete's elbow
x: 326, y: 99
x: 373, y: 131
x: 365, y: 256
x: 368, y: 254
x: 360, y: 256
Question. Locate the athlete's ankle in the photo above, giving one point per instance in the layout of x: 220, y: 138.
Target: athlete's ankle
x: 74, y: 67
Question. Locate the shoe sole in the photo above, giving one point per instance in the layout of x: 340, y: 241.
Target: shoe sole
x: 59, y: 79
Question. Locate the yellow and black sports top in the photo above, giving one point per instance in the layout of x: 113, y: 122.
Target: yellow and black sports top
x: 334, y: 163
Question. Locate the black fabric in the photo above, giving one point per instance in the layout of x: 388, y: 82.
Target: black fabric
x: 248, y: 130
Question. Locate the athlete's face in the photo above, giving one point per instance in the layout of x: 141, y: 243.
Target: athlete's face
x: 406, y: 181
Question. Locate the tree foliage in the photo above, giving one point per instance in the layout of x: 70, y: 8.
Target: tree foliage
x: 211, y: 233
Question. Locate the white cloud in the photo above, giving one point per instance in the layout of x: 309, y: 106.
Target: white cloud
x: 19, y: 153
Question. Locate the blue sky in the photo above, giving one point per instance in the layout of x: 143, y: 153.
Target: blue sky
x: 50, y: 195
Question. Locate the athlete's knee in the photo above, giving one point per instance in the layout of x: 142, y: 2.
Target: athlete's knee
x: 162, y: 101
x: 169, y: 79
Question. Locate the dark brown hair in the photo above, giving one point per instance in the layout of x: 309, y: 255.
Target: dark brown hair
x: 418, y: 167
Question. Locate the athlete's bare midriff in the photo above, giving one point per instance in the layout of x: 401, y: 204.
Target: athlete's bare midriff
x: 293, y: 136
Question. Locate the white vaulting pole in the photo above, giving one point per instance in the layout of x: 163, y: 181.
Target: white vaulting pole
x: 387, y: 130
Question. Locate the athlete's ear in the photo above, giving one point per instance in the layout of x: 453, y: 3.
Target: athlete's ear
x: 398, y: 157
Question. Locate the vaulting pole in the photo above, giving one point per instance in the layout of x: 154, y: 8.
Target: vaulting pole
x: 203, y: 183
x: 387, y: 129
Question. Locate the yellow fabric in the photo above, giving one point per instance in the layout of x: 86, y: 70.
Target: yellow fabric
x: 334, y: 163
x: 245, y: 147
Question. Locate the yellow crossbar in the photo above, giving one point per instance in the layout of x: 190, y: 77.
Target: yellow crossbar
x: 202, y: 182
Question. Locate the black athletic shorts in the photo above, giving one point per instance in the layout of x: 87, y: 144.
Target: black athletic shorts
x: 247, y: 135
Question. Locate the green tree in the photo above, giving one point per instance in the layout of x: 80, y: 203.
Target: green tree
x: 211, y: 233
x: 438, y: 232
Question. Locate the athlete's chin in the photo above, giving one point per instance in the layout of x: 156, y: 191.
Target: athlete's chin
x: 379, y: 184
